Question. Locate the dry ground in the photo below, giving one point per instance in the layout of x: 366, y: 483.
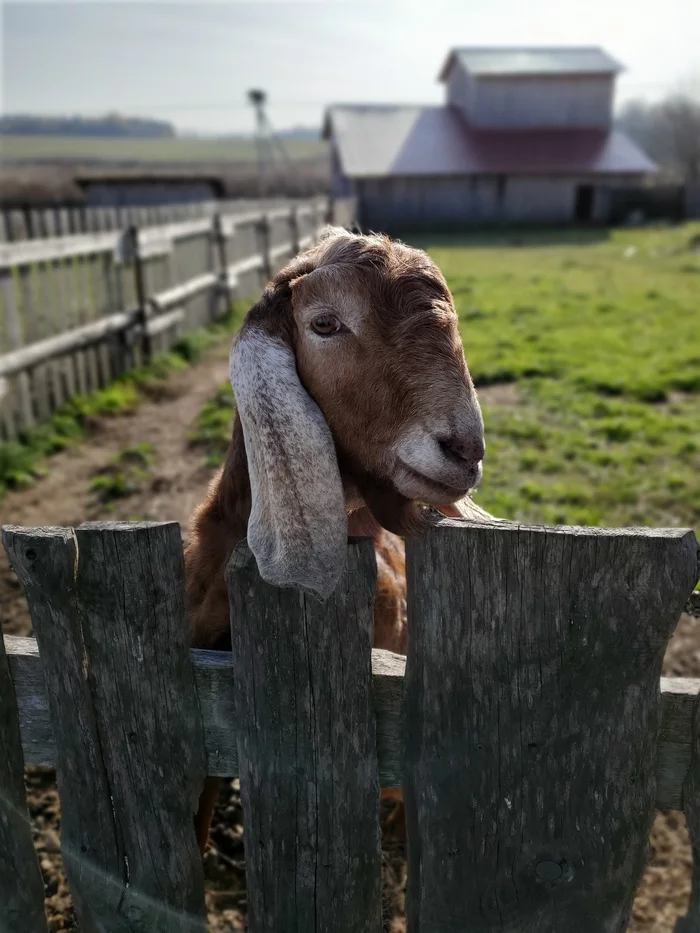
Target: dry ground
x: 177, y: 481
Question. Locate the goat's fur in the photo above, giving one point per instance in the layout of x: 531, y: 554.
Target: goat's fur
x: 334, y: 435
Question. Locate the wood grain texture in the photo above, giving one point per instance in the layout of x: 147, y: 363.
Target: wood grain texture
x: 214, y: 680
x: 307, y: 750
x: 532, y: 713
x: 21, y: 885
x: 690, y: 923
x: 107, y: 605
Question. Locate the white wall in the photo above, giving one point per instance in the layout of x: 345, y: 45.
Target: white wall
x: 520, y: 102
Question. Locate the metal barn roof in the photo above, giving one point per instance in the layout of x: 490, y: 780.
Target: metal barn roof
x: 532, y: 61
x: 393, y: 140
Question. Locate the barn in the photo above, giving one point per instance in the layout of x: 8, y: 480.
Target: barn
x: 525, y: 136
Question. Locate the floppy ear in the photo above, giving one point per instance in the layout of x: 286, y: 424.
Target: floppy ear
x: 297, y: 529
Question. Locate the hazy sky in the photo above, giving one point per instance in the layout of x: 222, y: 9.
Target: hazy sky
x: 192, y: 62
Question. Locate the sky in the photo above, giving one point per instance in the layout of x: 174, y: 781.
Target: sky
x: 192, y: 62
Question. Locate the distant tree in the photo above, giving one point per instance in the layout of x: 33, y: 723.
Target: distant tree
x: 669, y: 131
x: 110, y: 125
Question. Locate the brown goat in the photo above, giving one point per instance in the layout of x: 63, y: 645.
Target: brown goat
x: 355, y: 409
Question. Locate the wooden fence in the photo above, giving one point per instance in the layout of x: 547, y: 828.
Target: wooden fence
x: 78, y: 310
x: 28, y: 223
x: 527, y: 730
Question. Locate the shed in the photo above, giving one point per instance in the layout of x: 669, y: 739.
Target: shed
x: 525, y: 136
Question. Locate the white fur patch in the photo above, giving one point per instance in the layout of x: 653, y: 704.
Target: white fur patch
x: 420, y: 451
x: 298, y: 524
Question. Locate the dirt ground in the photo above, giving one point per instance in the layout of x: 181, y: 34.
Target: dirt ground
x: 175, y: 485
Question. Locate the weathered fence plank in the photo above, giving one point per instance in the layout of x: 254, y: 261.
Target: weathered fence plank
x: 307, y: 750
x: 107, y: 606
x: 212, y: 672
x: 81, y: 292
x: 532, y: 713
x: 21, y: 885
x: 690, y: 923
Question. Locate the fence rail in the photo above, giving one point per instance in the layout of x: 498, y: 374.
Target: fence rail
x: 527, y: 729
x: 77, y: 311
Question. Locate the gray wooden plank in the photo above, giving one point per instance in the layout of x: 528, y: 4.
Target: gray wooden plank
x: 307, y: 749
x: 213, y: 676
x: 86, y: 307
x: 532, y: 714
x: 690, y: 923
x: 15, y: 339
x: 107, y: 605
x: 21, y: 885
x: 54, y: 348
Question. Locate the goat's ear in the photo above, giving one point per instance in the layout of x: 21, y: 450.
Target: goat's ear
x: 298, y: 524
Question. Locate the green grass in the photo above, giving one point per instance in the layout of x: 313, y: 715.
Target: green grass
x: 25, y: 460
x: 597, y: 338
x: 212, y: 428
x: 124, y: 475
x: 146, y: 150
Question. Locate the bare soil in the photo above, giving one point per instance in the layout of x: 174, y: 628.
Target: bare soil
x: 176, y: 483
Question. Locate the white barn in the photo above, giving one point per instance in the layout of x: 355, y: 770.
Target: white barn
x: 525, y: 136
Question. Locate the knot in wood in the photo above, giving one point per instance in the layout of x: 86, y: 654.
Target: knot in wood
x: 548, y: 870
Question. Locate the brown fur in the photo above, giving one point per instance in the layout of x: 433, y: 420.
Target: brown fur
x: 409, y: 363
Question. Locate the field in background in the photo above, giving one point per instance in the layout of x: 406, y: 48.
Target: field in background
x: 145, y: 150
x: 585, y: 350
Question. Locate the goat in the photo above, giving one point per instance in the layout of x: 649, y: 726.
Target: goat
x: 355, y: 410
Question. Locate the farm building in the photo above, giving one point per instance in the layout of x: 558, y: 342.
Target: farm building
x: 525, y: 136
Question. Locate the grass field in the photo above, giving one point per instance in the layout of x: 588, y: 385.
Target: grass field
x: 145, y: 150
x: 585, y: 351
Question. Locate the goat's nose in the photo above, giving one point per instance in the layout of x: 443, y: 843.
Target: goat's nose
x: 469, y: 449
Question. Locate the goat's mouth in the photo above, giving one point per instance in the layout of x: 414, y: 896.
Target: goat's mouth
x: 417, y: 485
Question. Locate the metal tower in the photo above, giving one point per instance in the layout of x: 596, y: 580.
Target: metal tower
x: 267, y: 143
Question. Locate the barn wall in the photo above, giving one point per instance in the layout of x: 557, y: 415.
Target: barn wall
x: 396, y: 203
x: 515, y: 102
x: 393, y: 203
x: 460, y: 87
x: 341, y: 185
x: 540, y: 200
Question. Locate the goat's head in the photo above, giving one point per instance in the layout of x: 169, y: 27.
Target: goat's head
x: 352, y: 388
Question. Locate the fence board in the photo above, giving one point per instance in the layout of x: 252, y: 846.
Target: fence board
x: 691, y: 800
x: 212, y: 671
x: 21, y: 885
x: 68, y: 284
x: 532, y: 714
x: 107, y: 605
x: 15, y: 340
x: 307, y: 752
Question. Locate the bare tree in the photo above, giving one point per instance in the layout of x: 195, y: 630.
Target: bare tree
x: 669, y: 131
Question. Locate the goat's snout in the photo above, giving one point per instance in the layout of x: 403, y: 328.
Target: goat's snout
x: 468, y: 449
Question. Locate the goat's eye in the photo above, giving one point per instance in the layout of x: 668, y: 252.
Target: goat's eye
x: 325, y: 325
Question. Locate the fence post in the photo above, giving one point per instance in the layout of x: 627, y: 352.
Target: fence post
x: 21, y: 885
x: 143, y: 304
x: 107, y: 606
x: 224, y: 291
x: 307, y: 749
x: 531, y: 714
x: 264, y: 240
x: 294, y: 229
